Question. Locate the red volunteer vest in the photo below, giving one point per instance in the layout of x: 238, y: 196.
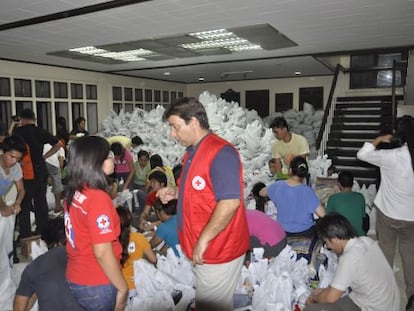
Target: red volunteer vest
x: 199, y: 204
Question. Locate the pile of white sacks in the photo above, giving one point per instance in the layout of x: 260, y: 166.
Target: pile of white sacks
x: 243, y: 128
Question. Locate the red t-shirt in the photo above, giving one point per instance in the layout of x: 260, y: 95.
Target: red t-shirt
x: 91, y: 219
x: 151, y: 197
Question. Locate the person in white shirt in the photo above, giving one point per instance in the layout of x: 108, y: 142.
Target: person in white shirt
x: 54, y: 166
x: 362, y: 268
x: 395, y: 197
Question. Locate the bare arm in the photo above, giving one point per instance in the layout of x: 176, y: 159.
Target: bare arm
x: 320, y: 211
x: 263, y: 192
x: 130, y: 175
x: 278, y: 165
x: 110, y: 265
x: 221, y: 216
x: 150, y: 256
x: 155, y: 241
x: 325, y: 295
x: 52, y: 150
x: 23, y: 303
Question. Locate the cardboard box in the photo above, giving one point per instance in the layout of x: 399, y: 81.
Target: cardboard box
x: 26, y: 245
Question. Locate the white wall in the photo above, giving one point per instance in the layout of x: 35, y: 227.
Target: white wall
x: 103, y: 81
x: 285, y: 85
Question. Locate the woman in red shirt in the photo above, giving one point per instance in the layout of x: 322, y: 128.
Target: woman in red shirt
x: 92, y: 228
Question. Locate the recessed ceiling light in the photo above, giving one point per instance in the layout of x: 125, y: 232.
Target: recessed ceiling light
x: 297, y: 73
x: 200, y: 79
x: 167, y: 73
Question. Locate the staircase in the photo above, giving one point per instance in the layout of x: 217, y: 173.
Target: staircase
x: 355, y: 121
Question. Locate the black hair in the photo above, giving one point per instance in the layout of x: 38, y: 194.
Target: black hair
x: 299, y: 167
x: 54, y: 232
x: 27, y: 114
x: 125, y: 218
x: 13, y: 142
x: 3, y: 129
x: 158, y: 176
x: 404, y: 131
x: 187, y: 108
x: 118, y: 150
x: 79, y: 121
x: 136, y: 140
x: 61, y: 129
x: 156, y: 160
x: 346, y: 179
x: 169, y: 208
x: 279, y: 122
x: 143, y: 153
x: 177, y: 171
x: 85, y: 159
x: 334, y: 226
x: 260, y: 201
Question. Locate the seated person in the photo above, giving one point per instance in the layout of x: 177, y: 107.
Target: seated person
x: 295, y: 202
x: 265, y: 232
x: 348, y: 203
x: 362, y: 268
x: 134, y: 246
x: 167, y: 230
x: 263, y: 204
x: 157, y: 164
x: 287, y: 146
x: 142, y: 170
x: 44, y: 278
x: 148, y: 218
x: 124, y: 165
x: 136, y: 141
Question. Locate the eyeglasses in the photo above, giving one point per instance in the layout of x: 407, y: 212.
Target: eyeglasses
x: 110, y: 155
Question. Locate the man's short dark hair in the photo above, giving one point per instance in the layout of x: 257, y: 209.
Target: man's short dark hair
x: 346, y: 179
x: 335, y: 226
x: 158, y: 176
x: 169, y: 208
x: 54, y: 232
x: 27, y: 114
x: 187, y: 108
x: 279, y: 122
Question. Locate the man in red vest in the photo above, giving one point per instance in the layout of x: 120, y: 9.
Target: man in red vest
x: 211, y: 219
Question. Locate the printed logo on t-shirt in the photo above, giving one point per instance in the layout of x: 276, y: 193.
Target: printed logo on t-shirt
x: 198, y: 183
x: 131, y: 247
x: 103, y: 222
x: 70, y: 234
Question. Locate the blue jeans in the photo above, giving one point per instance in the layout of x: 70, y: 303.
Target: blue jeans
x: 94, y: 298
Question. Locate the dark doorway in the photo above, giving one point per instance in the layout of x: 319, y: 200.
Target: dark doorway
x: 231, y: 95
x: 259, y: 101
x: 311, y: 95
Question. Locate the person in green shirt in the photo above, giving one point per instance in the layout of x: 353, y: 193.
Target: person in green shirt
x: 348, y: 203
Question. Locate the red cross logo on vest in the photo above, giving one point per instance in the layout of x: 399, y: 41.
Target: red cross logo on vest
x: 103, y: 222
x: 198, y: 183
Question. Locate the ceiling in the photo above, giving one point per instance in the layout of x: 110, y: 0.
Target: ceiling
x: 31, y: 29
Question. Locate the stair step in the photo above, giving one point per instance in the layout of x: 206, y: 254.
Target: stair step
x: 331, y: 152
x: 345, y: 143
x: 369, y: 98
x: 358, y: 172
x: 356, y: 127
x: 362, y: 112
x: 354, y: 162
x: 356, y: 135
x: 356, y: 119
